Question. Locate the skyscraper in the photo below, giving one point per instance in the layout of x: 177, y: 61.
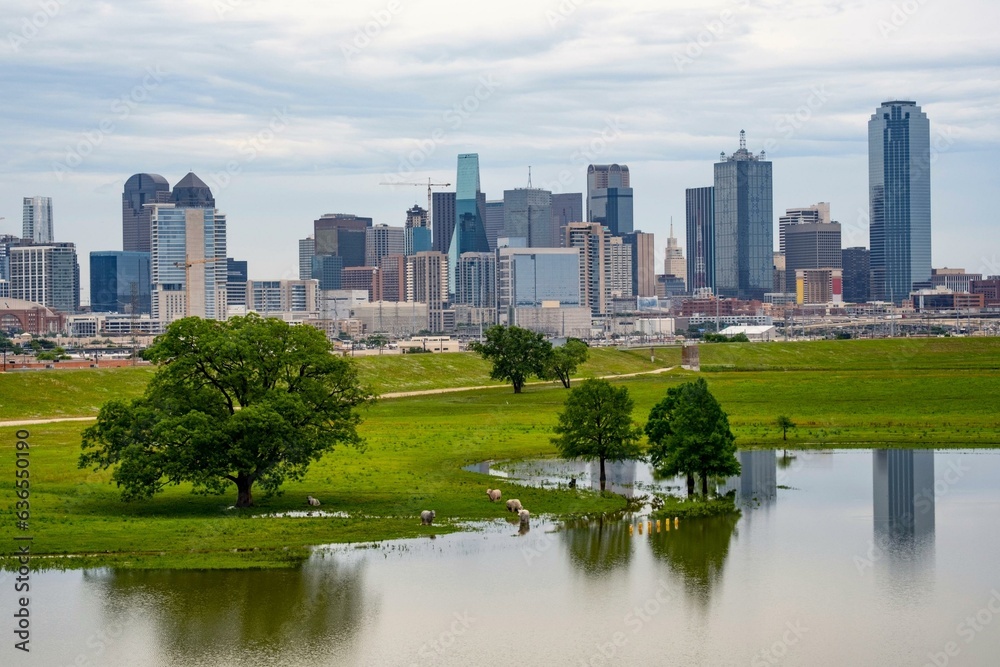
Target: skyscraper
x: 817, y: 213
x: 475, y: 283
x: 567, y: 207
x: 417, y: 235
x: 382, y: 240
x: 609, y: 197
x: 469, y: 234
x: 527, y: 214
x: 442, y: 220
x: 188, y: 243
x: 674, y: 263
x: 46, y: 274
x: 744, y: 232
x: 620, y: 267
x: 856, y: 263
x: 307, y: 250
x: 141, y: 189
x: 700, y: 223
x: 594, y: 245
x: 37, y: 225
x: 119, y: 282
x: 643, y: 263
x: 236, y: 282
x: 812, y: 245
x: 493, y: 222
x: 899, y: 191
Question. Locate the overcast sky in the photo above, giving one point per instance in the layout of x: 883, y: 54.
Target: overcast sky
x: 292, y: 109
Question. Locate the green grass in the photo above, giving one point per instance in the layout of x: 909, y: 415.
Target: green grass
x: 417, y: 447
x: 67, y: 393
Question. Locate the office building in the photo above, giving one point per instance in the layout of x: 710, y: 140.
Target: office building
x: 594, y: 244
x: 390, y: 279
x: 743, y: 224
x: 493, y: 220
x: 46, y: 274
x: 529, y: 277
x: 989, y: 288
x: 643, y: 262
x: 816, y: 214
x: 188, y: 254
x: 359, y: 278
x: 819, y: 286
x: 812, y: 245
x: 141, y: 189
x: 281, y: 297
x: 469, y: 234
x: 567, y: 207
x: 119, y: 282
x: 899, y: 189
x: 427, y: 282
x: 620, y: 268
x: 307, y: 250
x: 382, y: 240
x: 674, y: 263
x: 527, y: 214
x: 855, y: 263
x: 475, y: 282
x: 37, y: 222
x: 700, y: 224
x: 328, y: 270
x: 417, y: 235
x: 236, y: 282
x: 342, y: 235
x: 609, y: 197
x: 957, y: 280
x: 442, y: 220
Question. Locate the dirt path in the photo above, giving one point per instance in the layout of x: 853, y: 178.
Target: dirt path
x: 398, y: 394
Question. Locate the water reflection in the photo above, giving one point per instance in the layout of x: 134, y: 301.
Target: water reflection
x: 620, y: 476
x: 697, y: 551
x: 315, y: 608
x: 597, y: 546
x: 903, y: 507
x: 757, y: 483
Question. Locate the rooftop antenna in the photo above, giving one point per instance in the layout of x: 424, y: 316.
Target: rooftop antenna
x: 529, y: 176
x: 743, y: 140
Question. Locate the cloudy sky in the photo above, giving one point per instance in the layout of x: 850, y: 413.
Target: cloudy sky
x: 297, y: 108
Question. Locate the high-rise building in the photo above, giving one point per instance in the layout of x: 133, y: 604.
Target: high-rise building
x: 493, y: 220
x: 342, y: 235
x: 855, y: 262
x: 188, y: 254
x: 475, y: 282
x: 46, y: 274
x: 359, y: 278
x: 817, y: 214
x: 594, y: 244
x: 119, y: 282
x: 328, y: 270
x: 567, y: 207
x: 37, y: 225
x: 700, y: 223
x: 527, y: 214
x: 620, y: 267
x: 529, y: 277
x: 442, y: 220
x: 903, y: 494
x: 390, y: 280
x: 8, y: 241
x: 819, y: 286
x: 417, y: 235
x: 743, y: 224
x: 281, y: 296
x: 307, y: 250
x: 674, y: 263
x: 899, y: 190
x: 427, y: 282
x: 469, y: 234
x: 812, y: 245
x: 141, y: 189
x: 417, y: 217
x: 382, y: 240
x: 609, y: 197
x: 236, y: 282
x: 643, y: 263
x: 956, y: 280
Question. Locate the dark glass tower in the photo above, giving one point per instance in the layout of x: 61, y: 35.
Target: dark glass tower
x: 744, y: 234
x: 119, y: 282
x: 469, y: 234
x: 899, y: 189
x: 700, y: 206
x: 857, y: 264
x: 192, y: 192
x: 609, y: 197
x: 141, y: 189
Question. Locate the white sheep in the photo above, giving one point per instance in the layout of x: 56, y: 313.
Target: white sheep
x: 426, y: 517
x: 513, y: 505
x: 493, y: 495
x: 524, y: 516
x: 314, y: 502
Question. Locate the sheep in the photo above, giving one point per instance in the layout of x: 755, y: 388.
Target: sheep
x: 426, y: 517
x: 314, y: 502
x: 513, y: 505
x: 572, y: 483
x: 493, y: 495
x: 524, y: 516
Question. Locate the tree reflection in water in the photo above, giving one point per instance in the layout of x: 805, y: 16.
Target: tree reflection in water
x: 697, y: 551
x: 317, y: 606
x: 597, y: 546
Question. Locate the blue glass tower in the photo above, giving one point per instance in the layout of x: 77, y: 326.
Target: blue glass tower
x: 469, y: 234
x: 119, y: 281
x: 899, y: 189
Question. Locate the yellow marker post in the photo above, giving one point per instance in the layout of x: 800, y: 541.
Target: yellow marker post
x: 630, y: 529
x: 657, y: 525
x: 677, y: 522
x: 640, y: 528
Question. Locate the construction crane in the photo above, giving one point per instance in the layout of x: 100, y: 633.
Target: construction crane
x: 186, y: 265
x: 429, y: 192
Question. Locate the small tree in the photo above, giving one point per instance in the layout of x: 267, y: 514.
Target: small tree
x: 784, y: 423
x: 564, y: 360
x: 516, y: 354
x: 247, y: 401
x: 596, y: 423
x: 689, y: 434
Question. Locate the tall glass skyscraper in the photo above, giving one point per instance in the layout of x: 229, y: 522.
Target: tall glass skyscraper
x: 141, y: 189
x: 119, y: 282
x: 899, y: 191
x: 744, y: 225
x: 37, y: 221
x: 609, y: 197
x: 469, y: 234
x: 700, y: 223
x: 527, y: 214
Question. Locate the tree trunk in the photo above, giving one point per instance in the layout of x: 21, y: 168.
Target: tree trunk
x: 565, y: 380
x: 784, y: 433
x: 244, y: 483
x: 517, y: 388
x: 690, y: 484
x: 604, y: 476
x: 704, y: 486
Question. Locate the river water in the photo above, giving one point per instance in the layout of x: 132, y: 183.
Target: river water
x: 839, y: 558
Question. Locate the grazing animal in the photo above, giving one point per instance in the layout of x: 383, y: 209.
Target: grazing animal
x: 513, y: 505
x: 312, y: 501
x: 572, y: 482
x: 426, y: 517
x: 524, y: 516
x: 493, y: 495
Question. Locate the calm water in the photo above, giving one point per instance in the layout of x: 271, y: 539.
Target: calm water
x: 839, y: 558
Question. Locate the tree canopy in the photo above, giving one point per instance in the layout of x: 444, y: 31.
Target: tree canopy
x: 784, y: 422
x: 516, y: 354
x: 688, y: 433
x: 564, y: 360
x: 596, y: 423
x: 247, y: 401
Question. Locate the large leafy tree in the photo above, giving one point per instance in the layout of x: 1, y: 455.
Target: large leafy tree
x: 688, y: 433
x: 596, y: 423
x: 564, y: 360
x: 249, y: 401
x: 516, y: 354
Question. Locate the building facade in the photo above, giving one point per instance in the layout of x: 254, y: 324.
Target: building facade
x: 382, y: 240
x: 620, y: 268
x: 643, y: 263
x: 442, y: 220
x: 700, y: 224
x: 46, y: 274
x: 307, y: 250
x: 813, y: 245
x: 856, y: 266
x: 469, y: 233
x: 120, y: 282
x: 527, y: 214
x: 594, y: 244
x: 37, y: 220
x: 567, y: 207
x: 140, y: 190
x: 816, y: 214
x: 609, y: 197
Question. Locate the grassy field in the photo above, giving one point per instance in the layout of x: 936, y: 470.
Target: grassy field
x: 417, y: 447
